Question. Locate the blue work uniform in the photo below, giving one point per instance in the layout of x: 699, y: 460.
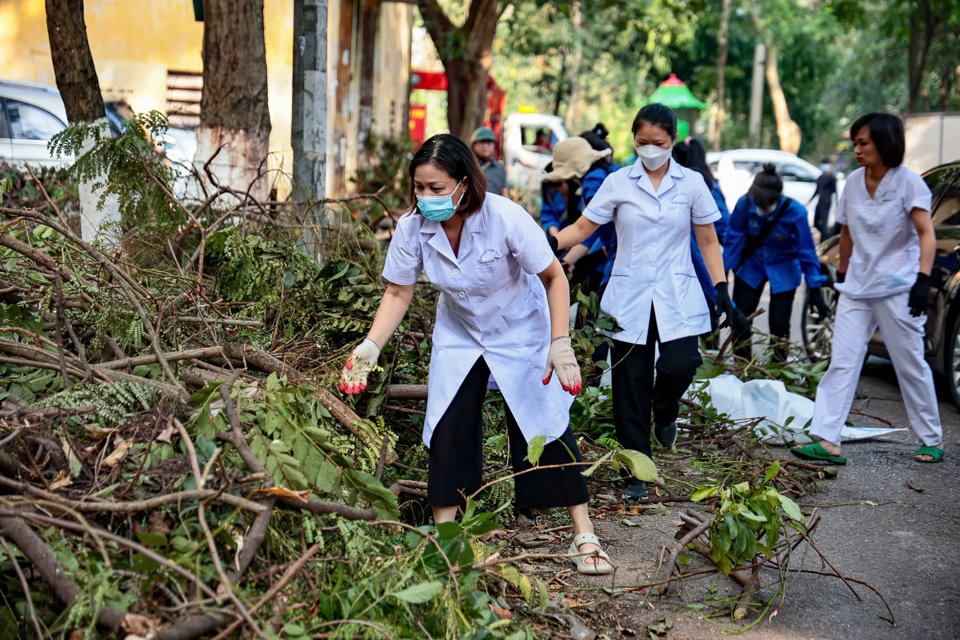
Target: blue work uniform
x: 699, y: 266
x: 786, y: 254
x: 604, y: 238
x: 553, y: 210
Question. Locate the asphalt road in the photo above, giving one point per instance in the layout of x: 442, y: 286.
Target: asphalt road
x: 875, y: 528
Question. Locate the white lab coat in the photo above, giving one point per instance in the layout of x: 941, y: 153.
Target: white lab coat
x: 876, y: 293
x: 653, y: 266
x: 492, y: 304
x: 886, y: 248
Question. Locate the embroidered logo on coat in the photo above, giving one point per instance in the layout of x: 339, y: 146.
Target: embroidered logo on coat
x: 488, y: 256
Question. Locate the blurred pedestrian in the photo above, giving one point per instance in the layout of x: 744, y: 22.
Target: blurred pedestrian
x: 652, y: 293
x: 824, y: 195
x: 504, y: 311
x: 769, y: 240
x: 484, y: 147
x: 887, y: 247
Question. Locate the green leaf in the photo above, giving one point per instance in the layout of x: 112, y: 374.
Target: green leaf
x: 423, y: 592
x: 772, y: 471
x: 149, y: 539
x: 702, y: 493
x: 535, y: 449
x: 790, y: 508
x: 510, y: 574
x: 293, y: 629
x: 639, y: 465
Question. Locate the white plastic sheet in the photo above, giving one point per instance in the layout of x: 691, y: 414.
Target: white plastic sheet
x: 786, y: 416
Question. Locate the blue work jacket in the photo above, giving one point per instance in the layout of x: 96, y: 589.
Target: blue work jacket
x: 552, y: 210
x: 699, y: 266
x: 604, y: 238
x: 786, y: 254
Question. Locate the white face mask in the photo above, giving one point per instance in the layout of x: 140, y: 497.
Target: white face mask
x: 653, y: 157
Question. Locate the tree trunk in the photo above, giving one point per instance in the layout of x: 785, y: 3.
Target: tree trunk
x: 561, y: 82
x: 466, y: 53
x: 787, y: 130
x: 234, y: 112
x: 723, y: 49
x: 79, y: 87
x: 369, y: 21
x: 573, y: 70
x: 922, y: 28
x: 72, y: 61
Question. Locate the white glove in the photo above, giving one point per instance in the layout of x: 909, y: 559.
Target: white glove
x: 563, y: 360
x: 363, y: 360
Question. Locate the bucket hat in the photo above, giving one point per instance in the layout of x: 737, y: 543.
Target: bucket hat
x: 572, y: 158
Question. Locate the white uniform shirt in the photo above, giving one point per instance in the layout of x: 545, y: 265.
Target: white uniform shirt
x: 492, y: 304
x: 886, y: 247
x: 653, y: 264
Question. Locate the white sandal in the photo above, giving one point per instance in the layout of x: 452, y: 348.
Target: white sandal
x: 581, y: 561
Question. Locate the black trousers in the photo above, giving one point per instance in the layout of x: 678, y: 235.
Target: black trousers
x: 456, y: 455
x: 634, y: 392
x: 781, y: 308
x: 820, y: 217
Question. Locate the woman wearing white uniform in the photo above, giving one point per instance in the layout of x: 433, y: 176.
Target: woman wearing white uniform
x: 503, y: 310
x: 887, y: 247
x: 653, y: 292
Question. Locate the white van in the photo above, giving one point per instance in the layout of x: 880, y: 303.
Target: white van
x: 527, y: 147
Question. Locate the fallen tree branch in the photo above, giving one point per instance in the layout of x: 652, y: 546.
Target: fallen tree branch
x: 134, y: 506
x: 53, y: 573
x: 407, y: 391
x: 205, y: 352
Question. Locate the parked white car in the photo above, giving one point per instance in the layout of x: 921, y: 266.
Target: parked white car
x: 734, y: 170
x: 30, y: 115
x: 527, y: 147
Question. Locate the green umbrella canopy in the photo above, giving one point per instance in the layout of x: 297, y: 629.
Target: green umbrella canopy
x: 674, y: 93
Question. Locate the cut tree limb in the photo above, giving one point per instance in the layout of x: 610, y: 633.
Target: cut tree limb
x: 407, y: 391
x: 49, y: 568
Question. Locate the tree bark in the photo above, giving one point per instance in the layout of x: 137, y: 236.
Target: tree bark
x: 787, y: 130
x: 79, y: 86
x: 467, y: 54
x: 573, y: 70
x: 723, y: 50
x: 234, y: 112
x: 72, y: 61
x: 922, y: 30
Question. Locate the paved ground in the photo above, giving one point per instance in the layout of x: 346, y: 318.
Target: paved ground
x: 906, y: 546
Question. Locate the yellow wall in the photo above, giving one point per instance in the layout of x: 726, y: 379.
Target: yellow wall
x: 135, y: 42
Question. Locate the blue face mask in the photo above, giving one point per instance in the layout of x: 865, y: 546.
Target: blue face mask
x: 439, y: 208
x: 824, y: 167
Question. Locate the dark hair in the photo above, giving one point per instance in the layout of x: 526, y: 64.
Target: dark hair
x: 692, y: 155
x: 596, y: 141
x: 886, y: 131
x: 658, y: 115
x: 600, y: 130
x: 826, y: 161
x: 767, y: 186
x: 450, y: 154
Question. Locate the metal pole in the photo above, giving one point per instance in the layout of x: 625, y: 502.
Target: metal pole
x: 756, y: 92
x: 309, y: 122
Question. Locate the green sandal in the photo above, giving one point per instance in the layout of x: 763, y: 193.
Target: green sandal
x: 815, y: 451
x: 934, y: 452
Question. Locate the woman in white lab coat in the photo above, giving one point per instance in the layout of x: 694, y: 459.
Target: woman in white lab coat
x: 653, y: 293
x: 503, y: 312
x: 887, y: 246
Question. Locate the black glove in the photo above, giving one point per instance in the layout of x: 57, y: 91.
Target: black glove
x: 733, y: 317
x: 552, y: 240
x: 841, y: 276
x: 920, y: 295
x: 816, y: 299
